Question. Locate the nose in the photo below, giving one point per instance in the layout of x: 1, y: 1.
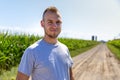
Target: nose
x: 55, y: 25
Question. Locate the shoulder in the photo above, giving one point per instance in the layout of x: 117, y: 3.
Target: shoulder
x: 35, y: 46
x: 62, y: 45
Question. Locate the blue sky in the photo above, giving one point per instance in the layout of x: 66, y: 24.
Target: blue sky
x: 81, y: 18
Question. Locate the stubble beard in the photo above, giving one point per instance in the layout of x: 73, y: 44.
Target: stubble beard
x: 52, y: 36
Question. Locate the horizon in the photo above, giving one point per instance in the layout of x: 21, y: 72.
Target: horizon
x: 17, y: 32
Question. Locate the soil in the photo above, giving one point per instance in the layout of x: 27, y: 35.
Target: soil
x: 96, y: 64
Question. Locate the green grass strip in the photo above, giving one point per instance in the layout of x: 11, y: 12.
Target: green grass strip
x: 81, y: 50
x: 9, y: 75
x: 114, y: 50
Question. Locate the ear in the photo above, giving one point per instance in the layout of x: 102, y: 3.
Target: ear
x: 42, y: 23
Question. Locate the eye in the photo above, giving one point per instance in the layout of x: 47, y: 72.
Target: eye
x: 58, y: 22
x: 50, y: 22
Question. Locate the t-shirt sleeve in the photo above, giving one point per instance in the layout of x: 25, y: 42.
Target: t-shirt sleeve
x: 26, y: 64
x: 70, y: 59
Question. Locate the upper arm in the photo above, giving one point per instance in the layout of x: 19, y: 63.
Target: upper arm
x: 21, y: 76
x: 26, y: 63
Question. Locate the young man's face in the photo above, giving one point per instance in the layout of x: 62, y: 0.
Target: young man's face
x: 51, y: 24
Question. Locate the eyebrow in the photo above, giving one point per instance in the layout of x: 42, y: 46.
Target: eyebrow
x: 49, y: 20
x: 56, y: 21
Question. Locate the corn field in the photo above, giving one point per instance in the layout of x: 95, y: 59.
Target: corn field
x: 12, y: 47
x: 115, y: 43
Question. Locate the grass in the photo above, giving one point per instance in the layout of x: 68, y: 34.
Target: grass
x: 79, y: 51
x: 114, y: 50
x: 11, y: 75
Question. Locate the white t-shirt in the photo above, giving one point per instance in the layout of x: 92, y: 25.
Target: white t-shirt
x: 44, y: 61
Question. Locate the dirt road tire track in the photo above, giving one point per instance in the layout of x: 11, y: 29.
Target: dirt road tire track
x: 96, y: 64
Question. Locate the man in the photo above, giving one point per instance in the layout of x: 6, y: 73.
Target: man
x: 47, y: 59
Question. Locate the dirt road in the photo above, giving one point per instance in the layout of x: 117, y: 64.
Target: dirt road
x: 96, y: 64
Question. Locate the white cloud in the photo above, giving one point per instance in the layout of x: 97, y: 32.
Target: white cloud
x: 33, y: 29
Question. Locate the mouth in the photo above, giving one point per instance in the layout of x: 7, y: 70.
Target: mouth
x: 53, y: 30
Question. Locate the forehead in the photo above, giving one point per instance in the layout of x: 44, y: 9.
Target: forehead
x: 52, y: 15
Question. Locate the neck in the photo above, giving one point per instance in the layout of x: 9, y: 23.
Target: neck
x: 50, y: 40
